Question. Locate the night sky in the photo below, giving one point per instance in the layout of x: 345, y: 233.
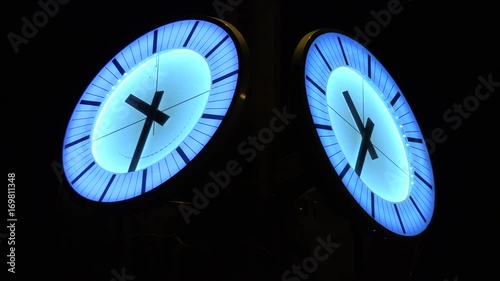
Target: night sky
x: 438, y: 54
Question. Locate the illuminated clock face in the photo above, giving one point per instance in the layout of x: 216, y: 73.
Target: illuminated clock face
x: 152, y: 109
x: 368, y: 131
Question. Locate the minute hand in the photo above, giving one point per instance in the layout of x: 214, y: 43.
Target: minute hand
x: 359, y: 123
x: 150, y: 119
x: 364, y: 146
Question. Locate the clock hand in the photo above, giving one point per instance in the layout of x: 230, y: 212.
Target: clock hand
x: 157, y: 71
x: 359, y: 122
x: 377, y: 148
x: 390, y: 160
x: 157, y: 113
x: 156, y: 89
x: 151, y: 112
x: 145, y: 108
x: 342, y: 117
x: 364, y: 146
x: 184, y: 101
x: 354, y: 112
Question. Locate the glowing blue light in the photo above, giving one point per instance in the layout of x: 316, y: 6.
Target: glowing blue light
x: 184, y: 76
x: 195, y: 65
x: 392, y: 161
x: 394, y: 182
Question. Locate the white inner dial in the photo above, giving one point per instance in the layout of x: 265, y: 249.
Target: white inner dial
x: 368, y: 134
x: 151, y: 111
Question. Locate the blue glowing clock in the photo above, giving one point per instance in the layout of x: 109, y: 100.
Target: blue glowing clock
x: 367, y: 130
x: 155, y: 106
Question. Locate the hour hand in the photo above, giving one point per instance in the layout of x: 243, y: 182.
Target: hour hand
x: 364, y: 146
x: 359, y: 123
x: 146, y: 109
x: 152, y: 113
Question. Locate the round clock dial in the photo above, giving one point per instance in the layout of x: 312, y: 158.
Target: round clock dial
x: 153, y: 108
x: 368, y: 131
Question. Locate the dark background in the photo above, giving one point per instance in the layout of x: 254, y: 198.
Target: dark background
x: 258, y: 227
